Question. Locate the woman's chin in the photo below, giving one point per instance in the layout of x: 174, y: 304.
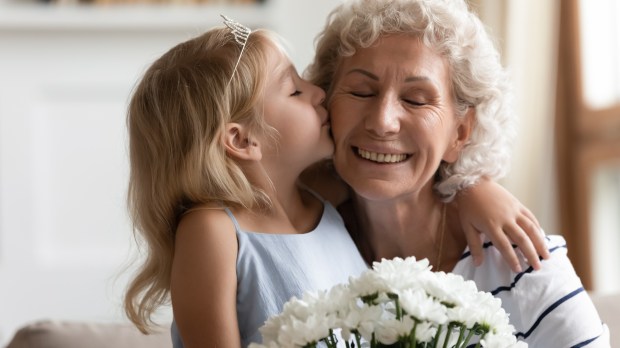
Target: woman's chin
x: 373, y: 189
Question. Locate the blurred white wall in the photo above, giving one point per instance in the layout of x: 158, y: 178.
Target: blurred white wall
x: 526, y: 31
x: 531, y: 56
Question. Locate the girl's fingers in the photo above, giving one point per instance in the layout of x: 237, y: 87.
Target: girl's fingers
x: 531, y: 216
x: 524, y: 243
x: 475, y: 244
x: 502, y: 242
x: 533, y: 231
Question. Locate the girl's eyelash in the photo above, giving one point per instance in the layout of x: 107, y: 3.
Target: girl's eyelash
x: 296, y: 93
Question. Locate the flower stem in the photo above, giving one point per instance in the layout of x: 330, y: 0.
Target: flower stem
x: 471, y: 333
x: 437, y: 335
x: 412, y: 339
x: 459, y: 342
x: 481, y: 337
x: 357, y: 340
x: 448, y: 333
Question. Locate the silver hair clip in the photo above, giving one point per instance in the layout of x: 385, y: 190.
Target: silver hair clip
x: 241, y: 33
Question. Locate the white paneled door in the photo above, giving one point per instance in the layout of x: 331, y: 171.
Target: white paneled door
x: 64, y: 233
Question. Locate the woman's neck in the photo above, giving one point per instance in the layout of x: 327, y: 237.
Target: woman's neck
x: 418, y: 225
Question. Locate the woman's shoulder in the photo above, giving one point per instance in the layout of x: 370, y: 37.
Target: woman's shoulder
x: 539, y: 301
x: 555, y: 241
x: 495, y: 274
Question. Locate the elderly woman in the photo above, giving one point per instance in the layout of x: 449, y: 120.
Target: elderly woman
x: 419, y: 111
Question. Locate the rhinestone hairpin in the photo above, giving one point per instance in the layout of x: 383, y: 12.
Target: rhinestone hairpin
x: 241, y: 34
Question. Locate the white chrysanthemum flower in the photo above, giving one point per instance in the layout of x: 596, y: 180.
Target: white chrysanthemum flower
x: 401, y: 266
x: 370, y: 304
x: 398, y: 274
x: 419, y: 305
x: 300, y: 333
x: 467, y: 314
x: 300, y: 308
x: 367, y: 284
x: 500, y: 340
x: 338, y: 299
x: 449, y: 288
x: 490, y: 313
x: 464, y: 315
x: 363, y: 319
x: 486, y: 301
x: 425, y: 331
x: 390, y: 330
x: 271, y: 329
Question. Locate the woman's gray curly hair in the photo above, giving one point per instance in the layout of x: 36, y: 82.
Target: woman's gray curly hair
x: 478, y: 78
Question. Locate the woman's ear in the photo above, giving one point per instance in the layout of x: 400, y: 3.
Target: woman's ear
x: 239, y: 144
x: 463, y: 131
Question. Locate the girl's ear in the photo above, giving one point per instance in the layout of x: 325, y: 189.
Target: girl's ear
x: 463, y: 131
x: 239, y: 145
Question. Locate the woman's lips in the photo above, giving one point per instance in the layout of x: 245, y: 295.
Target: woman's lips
x: 379, y: 157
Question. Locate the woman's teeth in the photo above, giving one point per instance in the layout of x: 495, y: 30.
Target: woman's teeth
x: 381, y: 157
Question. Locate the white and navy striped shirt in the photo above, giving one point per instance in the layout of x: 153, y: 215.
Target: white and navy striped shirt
x: 549, y: 307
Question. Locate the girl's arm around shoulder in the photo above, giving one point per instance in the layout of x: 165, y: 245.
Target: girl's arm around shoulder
x: 489, y: 208
x: 204, y: 280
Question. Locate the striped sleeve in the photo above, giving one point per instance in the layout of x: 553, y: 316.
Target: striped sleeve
x: 548, y: 307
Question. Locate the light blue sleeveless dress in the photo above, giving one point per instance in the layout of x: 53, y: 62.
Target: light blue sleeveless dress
x: 272, y: 268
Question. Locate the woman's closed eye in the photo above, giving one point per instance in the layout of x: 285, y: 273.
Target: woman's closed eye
x: 296, y: 93
x: 414, y: 102
x: 362, y: 94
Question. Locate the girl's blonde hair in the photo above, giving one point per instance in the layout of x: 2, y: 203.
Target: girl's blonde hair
x: 176, y: 121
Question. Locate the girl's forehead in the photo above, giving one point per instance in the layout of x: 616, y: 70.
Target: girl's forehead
x: 279, y: 64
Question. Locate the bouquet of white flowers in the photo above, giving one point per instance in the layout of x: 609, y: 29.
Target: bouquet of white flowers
x: 398, y: 303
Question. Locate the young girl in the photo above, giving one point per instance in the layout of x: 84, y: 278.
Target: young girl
x: 220, y: 129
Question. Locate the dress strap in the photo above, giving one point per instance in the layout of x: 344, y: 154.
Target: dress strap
x: 311, y: 191
x: 226, y: 209
x: 232, y: 218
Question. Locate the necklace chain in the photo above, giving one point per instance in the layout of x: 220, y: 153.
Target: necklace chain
x: 441, y: 229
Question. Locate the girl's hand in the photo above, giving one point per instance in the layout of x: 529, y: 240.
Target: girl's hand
x: 489, y: 208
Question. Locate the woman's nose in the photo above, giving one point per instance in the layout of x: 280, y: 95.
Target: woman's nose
x: 383, y: 119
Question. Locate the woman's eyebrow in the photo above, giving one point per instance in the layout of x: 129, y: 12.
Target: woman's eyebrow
x: 363, y: 72
x: 417, y: 78
x: 372, y: 76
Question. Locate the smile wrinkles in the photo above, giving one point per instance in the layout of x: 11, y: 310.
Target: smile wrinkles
x: 381, y: 157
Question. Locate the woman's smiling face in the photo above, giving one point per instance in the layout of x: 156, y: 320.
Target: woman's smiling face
x: 393, y: 118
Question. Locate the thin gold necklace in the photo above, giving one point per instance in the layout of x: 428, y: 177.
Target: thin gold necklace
x: 442, y: 228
